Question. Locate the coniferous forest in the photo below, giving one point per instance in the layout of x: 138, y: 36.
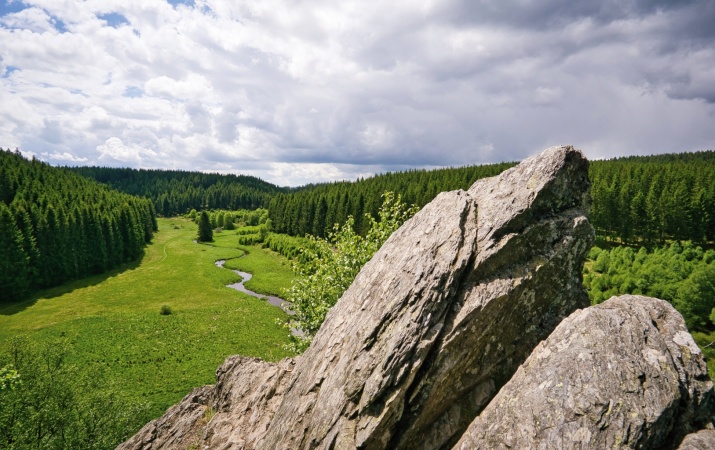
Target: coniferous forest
x: 52, y: 217
x: 175, y: 192
x: 56, y: 225
x: 640, y: 200
x: 637, y: 200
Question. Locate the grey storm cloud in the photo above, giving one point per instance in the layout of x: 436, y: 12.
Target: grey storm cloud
x: 298, y: 92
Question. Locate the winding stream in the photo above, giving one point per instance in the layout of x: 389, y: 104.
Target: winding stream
x: 272, y: 299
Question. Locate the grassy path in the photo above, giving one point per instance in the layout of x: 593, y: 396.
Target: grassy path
x: 112, y: 321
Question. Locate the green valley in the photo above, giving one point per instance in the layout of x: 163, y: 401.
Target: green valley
x: 112, y: 322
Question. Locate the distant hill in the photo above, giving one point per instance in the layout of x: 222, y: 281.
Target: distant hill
x: 315, y: 208
x: 177, y: 192
x: 56, y: 225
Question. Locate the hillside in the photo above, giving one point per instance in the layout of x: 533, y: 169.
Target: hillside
x: 176, y: 192
x: 635, y: 200
x: 56, y: 226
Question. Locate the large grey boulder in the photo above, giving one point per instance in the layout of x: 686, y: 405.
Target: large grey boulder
x: 431, y: 328
x: 702, y: 440
x: 622, y: 374
x: 444, y: 313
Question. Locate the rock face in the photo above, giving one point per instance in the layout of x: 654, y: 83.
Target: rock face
x: 622, y: 374
x: 444, y: 313
x: 702, y: 440
x: 234, y: 413
x: 432, y: 328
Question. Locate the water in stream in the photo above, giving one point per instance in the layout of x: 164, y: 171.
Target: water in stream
x: 272, y: 299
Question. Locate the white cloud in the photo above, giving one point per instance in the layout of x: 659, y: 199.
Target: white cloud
x: 63, y: 157
x: 114, y: 150
x: 315, y: 91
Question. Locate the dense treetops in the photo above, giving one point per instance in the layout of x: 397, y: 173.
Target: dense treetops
x: 684, y: 275
x: 650, y: 199
x: 56, y: 225
x: 314, y: 209
x: 638, y: 199
x: 177, y: 192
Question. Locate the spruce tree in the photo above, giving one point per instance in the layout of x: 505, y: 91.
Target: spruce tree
x: 14, y: 264
x: 206, y: 233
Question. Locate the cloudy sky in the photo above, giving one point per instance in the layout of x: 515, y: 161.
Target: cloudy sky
x: 299, y: 91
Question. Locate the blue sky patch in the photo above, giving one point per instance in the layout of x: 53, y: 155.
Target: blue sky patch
x: 9, y: 7
x: 58, y: 24
x: 133, y: 92
x: 9, y: 70
x: 113, y: 19
x: 176, y: 3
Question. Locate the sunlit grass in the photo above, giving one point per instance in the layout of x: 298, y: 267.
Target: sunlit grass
x: 114, y: 320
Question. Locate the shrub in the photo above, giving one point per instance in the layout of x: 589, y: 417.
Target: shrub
x: 165, y: 310
x: 329, y: 266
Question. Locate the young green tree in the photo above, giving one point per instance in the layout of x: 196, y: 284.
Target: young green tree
x: 327, y: 267
x: 206, y: 233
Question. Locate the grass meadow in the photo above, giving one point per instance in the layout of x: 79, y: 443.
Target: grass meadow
x: 113, y: 323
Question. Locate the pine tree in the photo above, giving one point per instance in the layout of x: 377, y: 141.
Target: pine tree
x: 206, y: 233
x: 14, y: 264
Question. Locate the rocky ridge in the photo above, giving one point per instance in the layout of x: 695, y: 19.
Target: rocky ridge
x: 437, y: 324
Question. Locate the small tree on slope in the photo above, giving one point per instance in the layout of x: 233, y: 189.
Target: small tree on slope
x: 206, y: 233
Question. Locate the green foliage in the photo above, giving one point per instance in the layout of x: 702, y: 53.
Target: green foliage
x: 313, y: 209
x: 58, y: 226
x: 329, y: 266
x: 165, y: 310
x: 696, y: 297
x: 14, y: 262
x: 111, y: 323
x: 648, y: 200
x: 58, y: 405
x: 289, y: 246
x: 205, y: 232
x: 9, y: 378
x: 684, y: 275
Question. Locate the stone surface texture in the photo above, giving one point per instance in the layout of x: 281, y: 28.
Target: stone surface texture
x: 444, y: 313
x: 622, y: 374
x: 702, y: 440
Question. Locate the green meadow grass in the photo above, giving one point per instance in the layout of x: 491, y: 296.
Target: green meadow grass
x: 113, y: 321
x: 272, y: 273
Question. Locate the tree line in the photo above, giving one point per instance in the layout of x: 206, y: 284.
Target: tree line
x: 637, y: 200
x: 56, y: 225
x: 314, y: 209
x: 177, y: 192
x: 640, y: 200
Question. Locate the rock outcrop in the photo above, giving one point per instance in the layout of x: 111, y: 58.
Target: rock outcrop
x: 444, y: 313
x: 431, y: 329
x: 702, y: 440
x: 622, y: 374
x: 180, y: 427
